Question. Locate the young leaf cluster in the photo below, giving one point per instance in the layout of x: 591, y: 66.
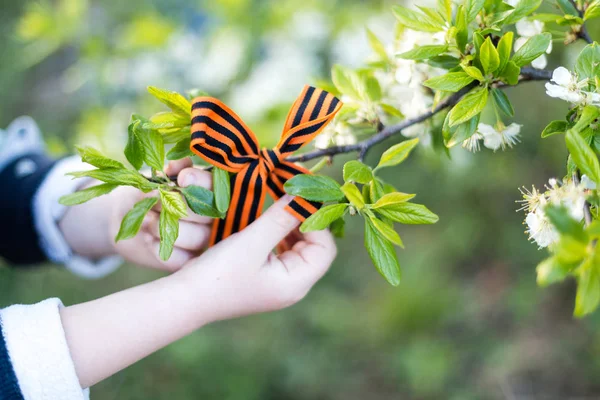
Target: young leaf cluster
x: 366, y: 195
x: 146, y: 143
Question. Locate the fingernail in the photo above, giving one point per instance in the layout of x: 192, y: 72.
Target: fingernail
x: 188, y: 179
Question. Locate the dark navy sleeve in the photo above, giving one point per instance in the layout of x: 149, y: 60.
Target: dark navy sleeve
x: 9, y: 386
x: 19, y: 180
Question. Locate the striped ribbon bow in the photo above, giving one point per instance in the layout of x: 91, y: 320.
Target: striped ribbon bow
x: 221, y: 138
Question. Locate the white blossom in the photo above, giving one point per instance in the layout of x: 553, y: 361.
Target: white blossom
x: 565, y: 194
x: 472, y: 144
x: 540, y: 229
x: 336, y: 133
x: 494, y: 139
x: 565, y: 85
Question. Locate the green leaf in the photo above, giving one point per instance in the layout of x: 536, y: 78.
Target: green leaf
x: 522, y: 9
x: 588, y: 288
x: 154, y: 147
x: 382, y: 254
x: 373, y: 90
x: 180, y: 150
x: 176, y: 102
x: 562, y: 221
x: 423, y: 52
x: 376, y: 191
x: 314, y: 188
x: 134, y: 150
x: 445, y: 8
x: 473, y: 8
x: 376, y: 44
x: 392, y: 199
x: 474, y: 73
x: 356, y: 171
x: 504, y: 49
x: 570, y: 252
x: 353, y: 195
x: 532, y: 49
x: 415, y: 20
x: 200, y: 201
x: 550, y: 271
x: 118, y: 176
x: 583, y: 156
x: 323, y: 218
x: 168, y: 226
x: 337, y: 228
x: 488, y: 56
x: 408, y: 213
x: 221, y: 186
x: 84, y: 195
x: 555, y: 127
x: 588, y: 115
x: 173, y: 203
x: 511, y: 73
x: 347, y: 81
x: 444, y: 62
x: 587, y: 64
x: 397, y: 153
x: 391, y: 110
x: 502, y: 101
x: 462, y: 28
x: 163, y: 121
x: 387, y: 231
x: 592, y: 11
x: 458, y: 134
x: 470, y: 105
x: 450, y: 82
x: 433, y: 15
x: 132, y: 221
x: 567, y: 7
x: 94, y: 157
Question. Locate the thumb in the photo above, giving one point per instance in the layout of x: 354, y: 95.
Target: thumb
x: 272, y: 227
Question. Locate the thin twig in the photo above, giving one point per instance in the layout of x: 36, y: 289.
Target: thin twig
x: 582, y: 33
x: 527, y: 74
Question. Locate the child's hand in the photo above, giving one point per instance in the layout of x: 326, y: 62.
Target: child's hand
x: 236, y: 277
x: 241, y: 275
x: 194, y: 230
x: 91, y: 228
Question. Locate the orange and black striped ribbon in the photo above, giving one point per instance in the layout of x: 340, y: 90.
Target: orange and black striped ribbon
x: 221, y: 138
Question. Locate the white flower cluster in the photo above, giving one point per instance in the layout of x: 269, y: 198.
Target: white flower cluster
x: 337, y: 133
x: 405, y: 80
x: 494, y: 138
x: 567, y: 194
x: 565, y: 85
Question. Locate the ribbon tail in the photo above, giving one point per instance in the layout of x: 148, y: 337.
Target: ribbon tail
x: 247, y: 198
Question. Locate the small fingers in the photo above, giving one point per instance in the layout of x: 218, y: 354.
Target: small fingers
x: 174, y: 167
x: 310, y: 259
x: 194, y: 176
x: 270, y: 228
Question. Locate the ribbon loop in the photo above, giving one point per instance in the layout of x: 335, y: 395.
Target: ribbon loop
x: 221, y: 138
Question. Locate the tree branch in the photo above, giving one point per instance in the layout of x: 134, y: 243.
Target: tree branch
x: 582, y: 33
x: 527, y: 74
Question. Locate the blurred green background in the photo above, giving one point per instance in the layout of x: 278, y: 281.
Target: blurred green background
x: 467, y: 322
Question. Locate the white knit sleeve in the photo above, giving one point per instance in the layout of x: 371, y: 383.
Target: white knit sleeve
x: 39, y: 353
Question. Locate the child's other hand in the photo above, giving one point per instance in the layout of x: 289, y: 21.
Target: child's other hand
x: 241, y: 275
x: 194, y: 230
